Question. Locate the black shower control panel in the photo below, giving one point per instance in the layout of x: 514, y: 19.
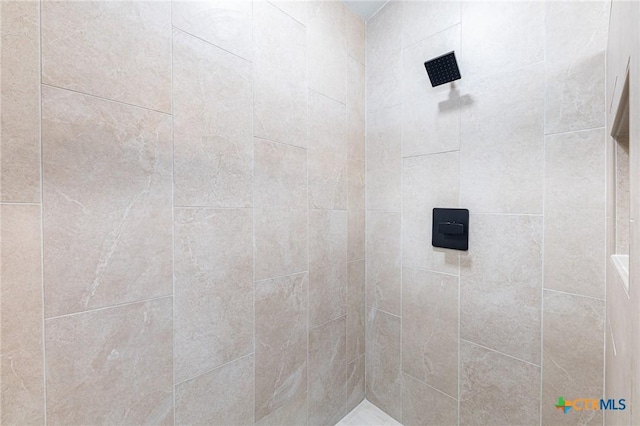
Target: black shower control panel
x: 450, y: 229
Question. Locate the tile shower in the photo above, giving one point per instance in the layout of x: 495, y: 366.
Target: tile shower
x: 218, y: 212
x: 201, y: 198
x: 488, y: 336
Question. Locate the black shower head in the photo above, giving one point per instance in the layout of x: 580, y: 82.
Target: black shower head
x: 443, y: 69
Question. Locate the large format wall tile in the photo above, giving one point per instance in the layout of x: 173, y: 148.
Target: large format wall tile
x: 280, y: 89
x: 574, y: 252
x: 384, y: 159
x: 280, y: 242
x: 213, y: 288
x: 327, y: 48
x: 384, y: 363
x: 221, y: 396
x: 502, y: 143
x: 107, y: 202
x: 496, y: 389
x: 212, y: 95
x: 355, y: 309
x: 111, y: 366
x: 430, y: 328
x: 327, y: 265
x: 119, y: 51
x: 500, y: 284
x: 356, y: 210
x: 572, y: 354
x: 327, y: 153
x: 430, y: 116
x: 423, y: 405
x: 356, y: 42
x: 21, y: 316
x: 428, y: 182
x: 20, y: 98
x: 227, y: 24
x: 280, y: 175
x: 383, y: 79
x: 422, y: 19
x: 384, y: 57
x: 384, y: 32
x: 383, y: 261
x: 576, y: 40
x: 327, y: 373
x: 355, y: 382
x: 281, y: 343
x: 356, y: 128
x: 498, y: 37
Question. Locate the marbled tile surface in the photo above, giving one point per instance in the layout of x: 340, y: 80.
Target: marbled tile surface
x: 106, y: 202
x: 119, y: 51
x: 21, y: 353
x: 112, y: 365
x: 20, y: 97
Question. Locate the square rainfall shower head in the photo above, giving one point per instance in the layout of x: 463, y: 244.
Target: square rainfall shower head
x: 443, y: 69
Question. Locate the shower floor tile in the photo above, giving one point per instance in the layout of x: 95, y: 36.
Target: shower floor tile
x: 367, y: 414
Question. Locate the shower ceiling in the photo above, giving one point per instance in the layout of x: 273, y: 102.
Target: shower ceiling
x: 365, y: 8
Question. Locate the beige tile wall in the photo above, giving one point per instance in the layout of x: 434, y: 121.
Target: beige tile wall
x: 622, y: 302
x: 477, y: 337
x: 197, y: 255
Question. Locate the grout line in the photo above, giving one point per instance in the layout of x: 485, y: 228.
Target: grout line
x: 214, y: 369
x: 173, y: 224
x: 253, y: 211
x: 459, y: 304
x: 607, y: 231
x: 42, y: 266
x: 383, y: 211
x: 386, y: 107
x: 261, y: 280
x: 498, y: 352
x: 212, y: 207
x: 409, y: 46
x: 430, y: 154
x: 17, y: 203
x: 347, y: 143
x: 573, y: 294
x: 102, y: 308
x: 298, y: 21
x: 275, y: 141
x: 208, y: 42
x: 327, y: 210
x: 103, y: 98
x: 506, y: 214
x: 366, y: 150
x: 567, y: 132
x: 544, y: 190
x: 418, y: 268
x: 402, y: 58
x: 306, y: 135
x: 328, y: 97
x: 428, y: 385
